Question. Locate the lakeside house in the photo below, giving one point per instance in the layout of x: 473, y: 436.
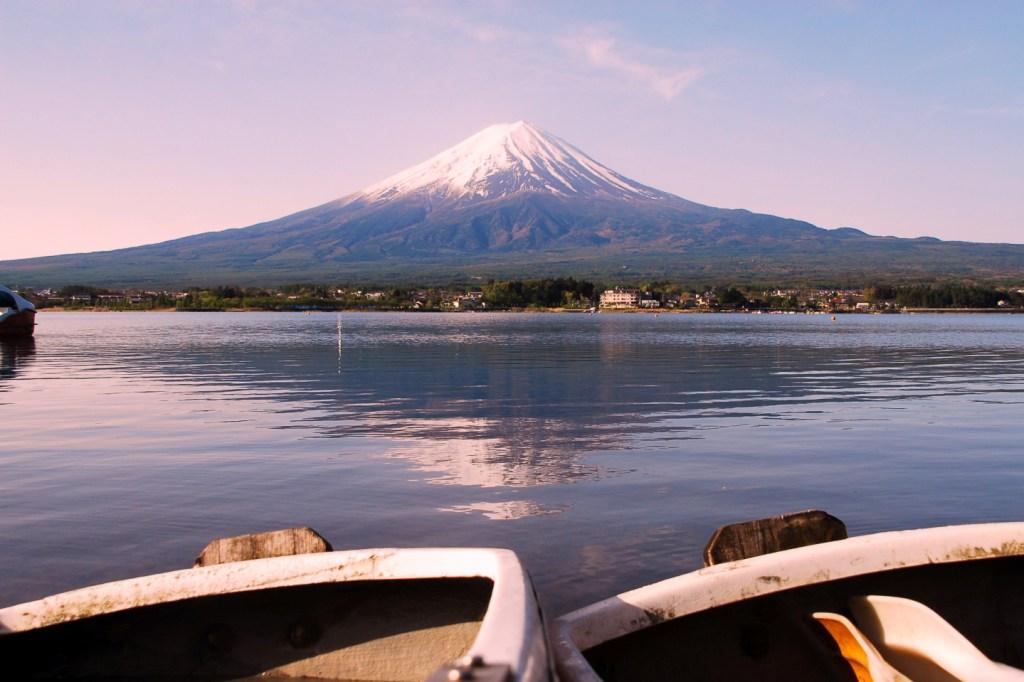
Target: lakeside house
x: 470, y: 301
x: 620, y: 298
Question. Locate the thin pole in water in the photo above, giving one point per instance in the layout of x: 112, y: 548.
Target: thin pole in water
x: 339, y: 343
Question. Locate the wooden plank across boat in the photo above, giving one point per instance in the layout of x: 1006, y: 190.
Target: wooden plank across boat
x: 368, y: 614
x: 774, y: 616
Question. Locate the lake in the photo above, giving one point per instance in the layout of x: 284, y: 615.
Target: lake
x: 604, y: 449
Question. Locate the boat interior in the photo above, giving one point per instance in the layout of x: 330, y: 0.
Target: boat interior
x: 369, y: 630
x: 7, y: 302
x: 777, y: 637
x: 7, y: 305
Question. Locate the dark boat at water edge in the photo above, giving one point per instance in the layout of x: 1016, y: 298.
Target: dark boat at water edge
x: 17, y: 315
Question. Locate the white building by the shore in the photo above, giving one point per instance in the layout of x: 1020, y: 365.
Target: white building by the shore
x: 620, y: 298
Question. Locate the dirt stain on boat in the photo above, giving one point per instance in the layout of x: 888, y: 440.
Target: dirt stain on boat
x: 656, y: 616
x: 771, y: 579
x: 1009, y: 548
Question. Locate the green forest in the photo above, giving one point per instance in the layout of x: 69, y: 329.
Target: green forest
x: 565, y: 293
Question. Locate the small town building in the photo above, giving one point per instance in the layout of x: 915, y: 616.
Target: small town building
x: 620, y: 298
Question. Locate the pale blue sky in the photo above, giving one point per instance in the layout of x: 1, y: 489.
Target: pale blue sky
x: 125, y: 123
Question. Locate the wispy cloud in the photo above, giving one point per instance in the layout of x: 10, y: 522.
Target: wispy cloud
x: 483, y: 32
x: 829, y: 91
x: 663, y: 72
x: 610, y: 55
x: 1011, y: 111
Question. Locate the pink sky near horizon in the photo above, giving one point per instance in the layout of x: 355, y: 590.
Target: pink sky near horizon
x: 124, y: 124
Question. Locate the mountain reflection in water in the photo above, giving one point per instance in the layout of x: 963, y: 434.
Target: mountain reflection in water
x: 517, y: 404
x: 620, y: 441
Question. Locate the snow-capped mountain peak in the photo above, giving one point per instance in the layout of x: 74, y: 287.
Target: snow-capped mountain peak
x: 506, y: 159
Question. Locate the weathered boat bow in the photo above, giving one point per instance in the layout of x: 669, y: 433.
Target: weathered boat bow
x: 753, y: 618
x: 370, y: 614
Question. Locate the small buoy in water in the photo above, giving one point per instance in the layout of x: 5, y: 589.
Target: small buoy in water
x: 833, y: 318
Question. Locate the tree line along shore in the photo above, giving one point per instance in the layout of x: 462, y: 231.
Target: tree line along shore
x: 567, y: 294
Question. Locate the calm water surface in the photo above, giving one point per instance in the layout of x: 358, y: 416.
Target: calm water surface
x: 603, y: 448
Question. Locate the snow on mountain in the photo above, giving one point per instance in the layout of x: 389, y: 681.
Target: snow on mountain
x: 514, y: 201
x: 506, y: 159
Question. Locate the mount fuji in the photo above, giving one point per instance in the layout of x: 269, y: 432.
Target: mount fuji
x: 515, y: 201
x: 504, y: 160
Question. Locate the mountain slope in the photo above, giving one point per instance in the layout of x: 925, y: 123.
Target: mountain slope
x: 515, y: 201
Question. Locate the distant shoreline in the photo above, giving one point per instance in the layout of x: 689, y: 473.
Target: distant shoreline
x: 572, y: 311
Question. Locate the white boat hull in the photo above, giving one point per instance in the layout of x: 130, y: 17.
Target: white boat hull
x: 379, y: 614
x: 793, y: 580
